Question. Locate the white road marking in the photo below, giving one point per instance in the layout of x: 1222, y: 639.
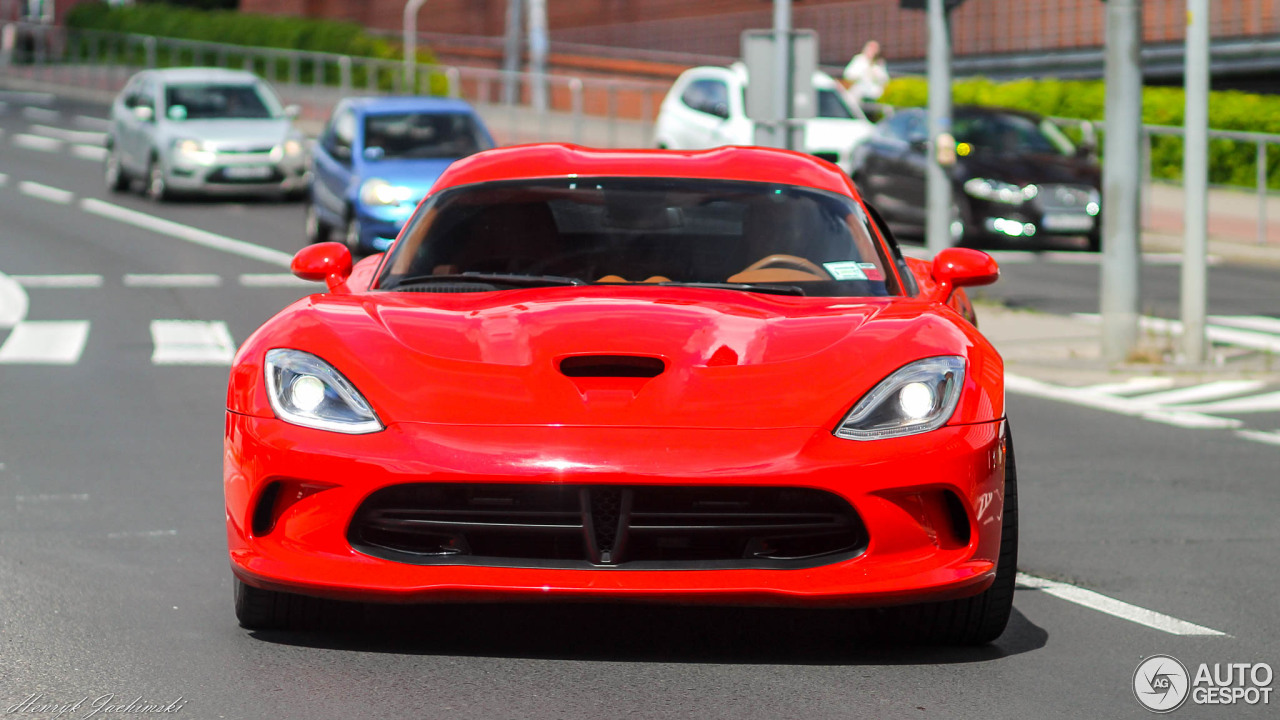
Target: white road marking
x: 45, y: 114
x: 185, y: 232
x: 37, y: 142
x: 13, y: 302
x: 1270, y: 438
x: 1199, y: 393
x: 191, y: 342
x: 170, y: 281
x: 142, y: 534
x: 1262, y: 341
x: 1116, y: 608
x: 1131, y: 386
x: 89, y: 152
x: 44, y: 192
x: 1259, y: 323
x: 1266, y: 402
x: 24, y: 96
x: 45, y: 497
x: 58, y: 281
x: 90, y: 137
x: 273, y: 280
x: 45, y: 342
x: 4, y: 179
x: 1121, y: 405
x: 90, y: 121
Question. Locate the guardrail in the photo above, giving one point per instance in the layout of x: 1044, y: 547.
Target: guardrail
x: 578, y: 109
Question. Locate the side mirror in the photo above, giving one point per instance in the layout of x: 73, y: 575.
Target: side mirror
x: 292, y: 111
x: 144, y: 113
x: 962, y: 267
x: 919, y: 144
x: 328, y: 261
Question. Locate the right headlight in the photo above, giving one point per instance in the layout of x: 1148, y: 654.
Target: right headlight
x: 916, y: 398
x: 377, y: 191
x: 305, y: 390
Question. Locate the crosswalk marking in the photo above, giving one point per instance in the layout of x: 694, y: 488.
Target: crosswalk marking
x: 1132, y: 385
x: 87, y: 137
x: 1266, y: 402
x: 34, y: 113
x: 44, y: 192
x: 89, y: 152
x: 1259, y: 323
x: 191, y: 342
x: 163, y: 281
x: 1198, y: 393
x: 45, y: 342
x: 1122, y: 405
x: 37, y: 142
x: 1216, y: 332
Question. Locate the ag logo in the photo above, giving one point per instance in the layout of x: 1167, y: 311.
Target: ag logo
x: 1161, y: 683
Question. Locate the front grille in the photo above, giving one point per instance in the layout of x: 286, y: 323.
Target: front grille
x: 249, y: 150
x: 640, y: 527
x: 220, y: 176
x: 1066, y: 197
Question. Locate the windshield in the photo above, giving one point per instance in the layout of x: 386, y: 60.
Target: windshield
x: 831, y: 105
x: 1015, y: 134
x: 645, y: 230
x: 422, y: 135
x: 201, y: 101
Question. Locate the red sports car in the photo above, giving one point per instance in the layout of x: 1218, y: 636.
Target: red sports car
x: 680, y: 377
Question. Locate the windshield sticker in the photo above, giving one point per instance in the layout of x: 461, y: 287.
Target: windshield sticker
x: 846, y: 270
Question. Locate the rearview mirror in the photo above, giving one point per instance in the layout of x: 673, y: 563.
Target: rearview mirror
x: 962, y: 267
x: 328, y: 261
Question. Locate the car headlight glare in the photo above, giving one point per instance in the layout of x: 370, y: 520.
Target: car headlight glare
x: 1001, y: 192
x: 305, y: 390
x: 193, y: 151
x: 292, y: 147
x: 916, y: 398
x: 377, y: 191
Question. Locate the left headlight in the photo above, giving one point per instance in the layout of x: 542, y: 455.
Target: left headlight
x: 377, y: 191
x: 305, y: 390
x: 194, y: 151
x: 916, y: 398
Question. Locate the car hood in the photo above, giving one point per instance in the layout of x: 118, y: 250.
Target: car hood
x: 1027, y: 169
x: 232, y: 134
x: 729, y: 358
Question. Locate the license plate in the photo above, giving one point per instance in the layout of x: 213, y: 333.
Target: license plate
x: 247, y: 173
x: 1067, y: 222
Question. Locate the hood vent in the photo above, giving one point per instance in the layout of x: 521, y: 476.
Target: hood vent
x: 612, y: 366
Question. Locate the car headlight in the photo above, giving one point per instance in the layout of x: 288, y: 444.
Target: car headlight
x: 305, y: 390
x: 377, y: 191
x: 193, y: 151
x: 1001, y: 192
x: 916, y: 398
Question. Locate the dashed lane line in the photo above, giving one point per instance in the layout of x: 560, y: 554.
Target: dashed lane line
x: 1116, y: 608
x: 191, y: 342
x: 173, y: 281
x: 44, y: 192
x: 35, y: 113
x: 89, y: 152
x: 37, y: 142
x: 4, y: 179
x: 89, y: 137
x: 185, y: 232
x: 58, y: 281
x: 273, y: 280
x: 45, y: 342
x: 13, y: 302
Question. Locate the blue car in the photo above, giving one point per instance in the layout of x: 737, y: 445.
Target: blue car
x: 376, y: 160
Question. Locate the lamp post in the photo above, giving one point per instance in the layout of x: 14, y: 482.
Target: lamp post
x: 410, y: 25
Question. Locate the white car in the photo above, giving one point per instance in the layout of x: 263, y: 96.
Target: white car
x: 707, y: 107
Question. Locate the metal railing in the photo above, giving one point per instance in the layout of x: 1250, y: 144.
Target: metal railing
x: 590, y: 110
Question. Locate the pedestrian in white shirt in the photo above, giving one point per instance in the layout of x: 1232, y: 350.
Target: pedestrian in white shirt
x: 866, y: 73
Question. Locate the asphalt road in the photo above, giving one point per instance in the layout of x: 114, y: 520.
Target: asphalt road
x: 114, y: 577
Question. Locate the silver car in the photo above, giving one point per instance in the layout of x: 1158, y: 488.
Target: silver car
x: 204, y: 131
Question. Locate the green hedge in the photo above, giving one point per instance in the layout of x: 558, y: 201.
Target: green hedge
x: 264, y: 31
x: 1230, y: 162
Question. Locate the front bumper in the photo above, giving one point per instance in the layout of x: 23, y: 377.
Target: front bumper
x: 913, y: 554
x: 379, y: 226
x: 237, y: 174
x: 1029, y: 221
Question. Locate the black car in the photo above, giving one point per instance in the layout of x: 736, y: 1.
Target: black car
x: 1017, y: 177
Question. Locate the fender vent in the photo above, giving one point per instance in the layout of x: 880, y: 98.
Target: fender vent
x: 612, y: 366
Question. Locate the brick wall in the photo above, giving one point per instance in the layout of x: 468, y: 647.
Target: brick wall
x: 713, y: 27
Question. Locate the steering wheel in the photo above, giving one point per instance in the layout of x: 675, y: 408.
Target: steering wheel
x: 789, y: 262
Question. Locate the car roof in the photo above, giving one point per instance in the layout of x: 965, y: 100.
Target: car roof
x: 203, y: 74
x: 555, y: 160
x: 422, y: 103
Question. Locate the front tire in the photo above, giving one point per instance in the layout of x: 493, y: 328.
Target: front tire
x: 157, y: 186
x: 259, y: 609
x: 982, y: 618
x: 317, y: 230
x: 113, y: 173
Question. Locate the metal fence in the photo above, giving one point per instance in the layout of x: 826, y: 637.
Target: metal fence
x: 590, y: 110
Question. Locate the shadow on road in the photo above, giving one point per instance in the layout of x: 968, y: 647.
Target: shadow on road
x: 643, y: 633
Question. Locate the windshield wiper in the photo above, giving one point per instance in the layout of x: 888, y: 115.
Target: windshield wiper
x: 747, y: 287
x: 514, y: 280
